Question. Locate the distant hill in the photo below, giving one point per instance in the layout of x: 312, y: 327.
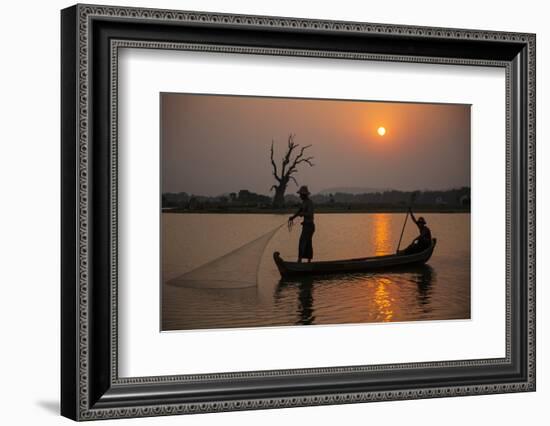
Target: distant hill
x: 354, y: 190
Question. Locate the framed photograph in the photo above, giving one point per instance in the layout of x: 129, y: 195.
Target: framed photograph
x: 263, y: 212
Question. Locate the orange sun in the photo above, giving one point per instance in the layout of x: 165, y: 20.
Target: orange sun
x: 381, y: 131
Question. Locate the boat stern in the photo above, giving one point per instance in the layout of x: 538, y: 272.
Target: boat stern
x: 431, y: 250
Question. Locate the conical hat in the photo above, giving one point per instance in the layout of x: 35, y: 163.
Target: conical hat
x: 303, y: 190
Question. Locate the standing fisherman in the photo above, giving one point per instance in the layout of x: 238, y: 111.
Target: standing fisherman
x: 305, y: 246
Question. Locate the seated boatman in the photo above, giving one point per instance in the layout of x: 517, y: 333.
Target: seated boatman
x: 424, y: 239
x: 305, y: 246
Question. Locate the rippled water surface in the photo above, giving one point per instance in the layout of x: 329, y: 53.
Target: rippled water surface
x: 438, y: 290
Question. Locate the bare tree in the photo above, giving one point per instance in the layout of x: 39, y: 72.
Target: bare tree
x: 289, y: 166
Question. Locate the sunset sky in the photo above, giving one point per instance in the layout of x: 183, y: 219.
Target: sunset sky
x: 213, y: 145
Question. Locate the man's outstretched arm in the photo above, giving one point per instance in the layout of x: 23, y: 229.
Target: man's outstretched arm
x: 295, y: 215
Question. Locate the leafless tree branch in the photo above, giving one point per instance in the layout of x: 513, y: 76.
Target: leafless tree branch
x: 299, y: 159
x: 289, y: 166
x: 286, y: 159
x: 275, y: 172
x: 293, y: 179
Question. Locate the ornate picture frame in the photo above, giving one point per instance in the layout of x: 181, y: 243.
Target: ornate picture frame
x: 91, y: 38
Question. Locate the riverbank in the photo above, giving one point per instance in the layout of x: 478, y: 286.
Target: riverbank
x: 318, y: 209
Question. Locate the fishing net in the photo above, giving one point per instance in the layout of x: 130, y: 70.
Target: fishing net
x: 236, y: 269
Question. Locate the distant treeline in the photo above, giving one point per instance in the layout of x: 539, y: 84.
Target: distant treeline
x: 391, y: 200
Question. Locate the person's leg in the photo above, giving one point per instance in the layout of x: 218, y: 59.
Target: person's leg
x: 308, y: 249
x: 410, y: 249
x: 311, y: 241
x: 301, y: 246
x: 309, y: 230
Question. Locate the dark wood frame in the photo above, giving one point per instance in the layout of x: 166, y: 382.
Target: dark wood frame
x: 90, y: 386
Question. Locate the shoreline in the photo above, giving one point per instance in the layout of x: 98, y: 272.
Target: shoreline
x: 288, y: 211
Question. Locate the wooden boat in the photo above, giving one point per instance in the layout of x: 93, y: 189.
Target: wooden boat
x: 364, y: 264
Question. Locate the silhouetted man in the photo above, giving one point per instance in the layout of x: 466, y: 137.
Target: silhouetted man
x: 305, y: 246
x: 424, y: 239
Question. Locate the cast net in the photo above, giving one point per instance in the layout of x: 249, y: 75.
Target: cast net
x: 236, y: 269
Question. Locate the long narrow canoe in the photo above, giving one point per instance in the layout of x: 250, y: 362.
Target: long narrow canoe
x: 364, y: 264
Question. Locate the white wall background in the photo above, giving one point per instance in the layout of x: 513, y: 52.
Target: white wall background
x: 29, y: 217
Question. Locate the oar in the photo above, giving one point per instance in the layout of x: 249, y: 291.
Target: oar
x: 413, y: 195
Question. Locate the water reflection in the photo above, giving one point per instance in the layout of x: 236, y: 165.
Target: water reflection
x: 305, y: 308
x: 383, y: 300
x: 424, y: 278
x: 387, y: 295
x: 304, y: 287
x: 382, y: 242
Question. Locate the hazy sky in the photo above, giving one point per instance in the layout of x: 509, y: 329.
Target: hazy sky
x: 213, y: 145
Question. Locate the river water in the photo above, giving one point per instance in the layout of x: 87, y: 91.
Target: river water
x: 439, y: 290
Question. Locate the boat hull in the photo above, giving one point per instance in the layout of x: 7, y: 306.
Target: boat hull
x: 366, y: 264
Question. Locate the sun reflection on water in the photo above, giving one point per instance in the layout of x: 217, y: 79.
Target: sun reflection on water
x: 383, y: 300
x: 382, y: 244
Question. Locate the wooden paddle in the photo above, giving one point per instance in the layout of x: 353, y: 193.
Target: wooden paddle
x: 413, y: 196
